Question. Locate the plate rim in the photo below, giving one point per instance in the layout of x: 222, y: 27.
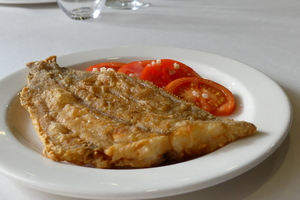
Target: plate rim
x: 26, y: 1
x: 167, y: 190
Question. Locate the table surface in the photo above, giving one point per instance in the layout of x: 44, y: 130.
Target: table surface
x: 264, y: 34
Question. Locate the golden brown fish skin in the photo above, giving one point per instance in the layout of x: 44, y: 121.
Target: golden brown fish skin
x: 129, y: 99
x: 112, y: 120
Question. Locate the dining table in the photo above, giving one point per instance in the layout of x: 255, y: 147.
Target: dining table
x: 258, y: 37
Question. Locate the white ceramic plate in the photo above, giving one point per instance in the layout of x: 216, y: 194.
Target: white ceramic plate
x: 26, y: 1
x: 259, y: 100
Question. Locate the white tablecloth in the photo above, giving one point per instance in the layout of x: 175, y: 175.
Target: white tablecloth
x: 261, y: 33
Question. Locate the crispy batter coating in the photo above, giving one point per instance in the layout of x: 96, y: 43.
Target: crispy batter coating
x: 112, y: 120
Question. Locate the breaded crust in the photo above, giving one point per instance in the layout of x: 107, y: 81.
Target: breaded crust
x: 112, y: 120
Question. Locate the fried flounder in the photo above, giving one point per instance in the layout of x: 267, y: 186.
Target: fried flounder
x: 112, y: 120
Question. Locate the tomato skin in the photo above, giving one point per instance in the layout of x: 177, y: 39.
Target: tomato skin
x: 156, y: 75
x: 205, y: 93
x: 162, y: 72
x: 114, y: 65
x: 134, y: 68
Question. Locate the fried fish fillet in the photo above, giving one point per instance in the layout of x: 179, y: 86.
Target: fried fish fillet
x: 112, y: 120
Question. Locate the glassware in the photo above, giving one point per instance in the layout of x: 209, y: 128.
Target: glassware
x: 81, y: 9
x: 127, y: 4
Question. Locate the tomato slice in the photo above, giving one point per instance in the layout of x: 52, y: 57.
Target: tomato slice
x: 162, y: 72
x: 134, y: 68
x: 204, y: 93
x: 114, y: 65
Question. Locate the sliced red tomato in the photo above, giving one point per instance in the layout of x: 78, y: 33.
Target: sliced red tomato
x: 205, y: 93
x: 162, y: 72
x: 134, y: 68
x: 114, y: 65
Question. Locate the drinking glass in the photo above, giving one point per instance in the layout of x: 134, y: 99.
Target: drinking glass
x: 82, y: 9
x: 127, y: 4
